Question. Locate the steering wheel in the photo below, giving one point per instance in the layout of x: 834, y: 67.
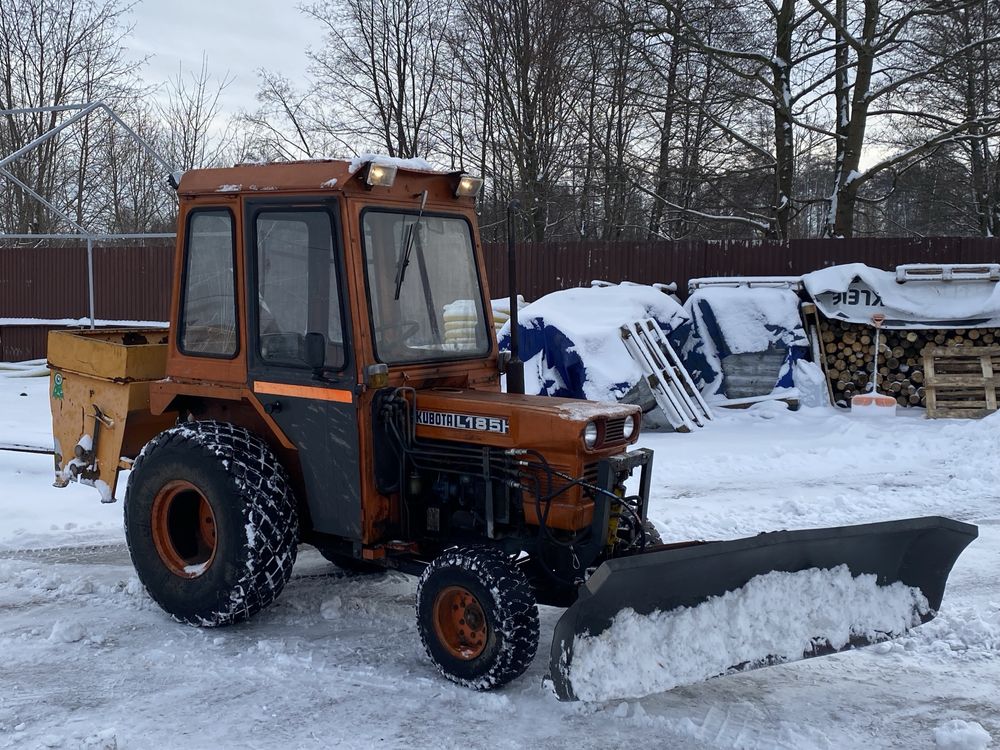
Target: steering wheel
x: 406, y: 328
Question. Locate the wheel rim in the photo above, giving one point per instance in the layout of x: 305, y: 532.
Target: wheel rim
x: 183, y: 527
x: 459, y: 623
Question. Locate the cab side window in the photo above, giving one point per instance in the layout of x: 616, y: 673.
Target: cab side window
x: 297, y: 286
x: 208, y: 309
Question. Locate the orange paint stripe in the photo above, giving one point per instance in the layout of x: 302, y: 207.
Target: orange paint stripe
x: 304, y: 391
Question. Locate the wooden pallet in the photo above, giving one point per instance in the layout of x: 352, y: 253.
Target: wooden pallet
x: 961, y: 381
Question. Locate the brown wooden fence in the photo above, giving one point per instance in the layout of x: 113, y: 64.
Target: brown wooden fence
x: 42, y: 285
x: 547, y: 267
x: 133, y: 283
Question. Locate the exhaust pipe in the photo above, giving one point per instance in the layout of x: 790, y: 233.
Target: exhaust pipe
x: 515, y: 367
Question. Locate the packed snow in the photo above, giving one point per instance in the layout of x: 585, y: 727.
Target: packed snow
x: 89, y: 661
x: 776, y: 616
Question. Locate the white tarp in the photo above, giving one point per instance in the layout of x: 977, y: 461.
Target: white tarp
x: 854, y: 292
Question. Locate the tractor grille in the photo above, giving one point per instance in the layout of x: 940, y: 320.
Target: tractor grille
x: 614, y: 431
x: 590, y: 473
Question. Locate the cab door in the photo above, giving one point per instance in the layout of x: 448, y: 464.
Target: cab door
x: 296, y: 293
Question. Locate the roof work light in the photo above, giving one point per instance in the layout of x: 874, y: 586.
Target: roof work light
x: 381, y: 175
x: 468, y: 186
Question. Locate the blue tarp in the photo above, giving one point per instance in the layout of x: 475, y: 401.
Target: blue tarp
x: 765, y: 319
x: 567, y: 371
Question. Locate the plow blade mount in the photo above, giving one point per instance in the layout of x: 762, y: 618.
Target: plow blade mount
x: 917, y: 552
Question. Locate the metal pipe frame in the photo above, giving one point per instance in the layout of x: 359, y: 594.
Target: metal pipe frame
x: 82, y: 111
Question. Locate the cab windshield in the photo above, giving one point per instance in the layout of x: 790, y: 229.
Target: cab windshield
x: 424, y: 292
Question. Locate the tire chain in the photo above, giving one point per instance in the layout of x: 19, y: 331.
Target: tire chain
x: 514, y: 598
x: 252, y: 465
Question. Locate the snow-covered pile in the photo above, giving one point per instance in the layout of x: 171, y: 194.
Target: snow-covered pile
x: 571, y: 344
x: 749, y: 319
x: 745, y: 320
x: 776, y: 615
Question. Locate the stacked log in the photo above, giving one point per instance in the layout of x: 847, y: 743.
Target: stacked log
x: 849, y: 348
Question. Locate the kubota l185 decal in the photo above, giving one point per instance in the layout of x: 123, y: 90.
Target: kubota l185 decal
x: 462, y: 421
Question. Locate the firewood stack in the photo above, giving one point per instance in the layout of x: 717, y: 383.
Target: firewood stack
x: 848, y: 349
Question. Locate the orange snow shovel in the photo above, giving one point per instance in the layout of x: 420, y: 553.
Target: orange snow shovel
x: 874, y: 403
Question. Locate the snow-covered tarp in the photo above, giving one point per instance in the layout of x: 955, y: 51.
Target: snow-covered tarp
x: 571, y: 344
x: 744, y: 320
x: 854, y: 292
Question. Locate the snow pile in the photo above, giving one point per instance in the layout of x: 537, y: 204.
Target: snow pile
x: 961, y: 735
x: 643, y: 654
x: 959, y: 633
x: 848, y: 293
x: 571, y: 344
x: 30, y: 368
x: 745, y: 320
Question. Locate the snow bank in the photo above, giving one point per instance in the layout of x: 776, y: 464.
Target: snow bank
x: 571, y: 344
x: 855, y: 291
x: 961, y: 735
x: 780, y: 615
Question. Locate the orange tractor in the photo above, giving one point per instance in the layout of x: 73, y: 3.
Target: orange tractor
x: 331, y: 376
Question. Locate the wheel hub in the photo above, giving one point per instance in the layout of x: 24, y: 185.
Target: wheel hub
x: 460, y: 623
x: 183, y: 529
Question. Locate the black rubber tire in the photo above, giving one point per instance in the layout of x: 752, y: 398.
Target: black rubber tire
x: 255, y: 518
x: 510, y: 610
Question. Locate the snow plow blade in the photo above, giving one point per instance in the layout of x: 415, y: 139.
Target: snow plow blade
x: 917, y: 552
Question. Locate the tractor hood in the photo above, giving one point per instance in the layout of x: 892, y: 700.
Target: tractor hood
x: 552, y: 425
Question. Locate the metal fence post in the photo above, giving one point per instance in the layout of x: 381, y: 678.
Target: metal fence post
x: 90, y: 278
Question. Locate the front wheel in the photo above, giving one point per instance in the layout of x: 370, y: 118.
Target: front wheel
x: 477, y: 616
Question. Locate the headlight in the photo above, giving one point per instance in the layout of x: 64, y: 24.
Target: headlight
x: 628, y: 428
x: 590, y: 434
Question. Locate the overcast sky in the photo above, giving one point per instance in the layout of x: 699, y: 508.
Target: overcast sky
x: 239, y: 36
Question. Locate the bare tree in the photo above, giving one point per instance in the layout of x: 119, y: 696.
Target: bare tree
x: 873, y: 70
x: 53, y: 53
x: 191, y: 116
x: 382, y: 65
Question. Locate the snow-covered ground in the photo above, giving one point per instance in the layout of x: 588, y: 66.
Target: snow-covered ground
x: 86, y: 660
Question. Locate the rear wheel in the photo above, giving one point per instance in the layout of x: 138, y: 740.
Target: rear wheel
x: 210, y: 523
x: 477, y: 616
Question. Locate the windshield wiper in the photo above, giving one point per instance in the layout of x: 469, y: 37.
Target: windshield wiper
x: 404, y: 259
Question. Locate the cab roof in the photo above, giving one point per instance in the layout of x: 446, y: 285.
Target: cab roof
x: 296, y: 176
